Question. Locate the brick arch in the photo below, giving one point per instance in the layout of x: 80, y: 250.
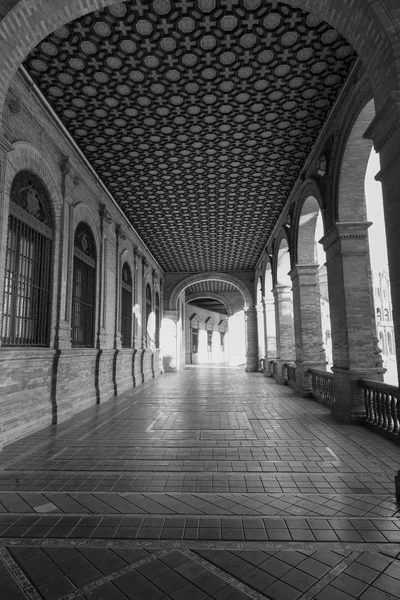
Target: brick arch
x: 212, y: 296
x: 27, y: 157
x: 351, y: 189
x: 82, y: 212
x: 304, y: 224
x: 26, y: 23
x: 282, y: 259
x: 199, y: 278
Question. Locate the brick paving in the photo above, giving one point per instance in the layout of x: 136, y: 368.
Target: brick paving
x: 203, y: 484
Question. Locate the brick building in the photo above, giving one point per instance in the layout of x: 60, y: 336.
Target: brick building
x: 167, y: 173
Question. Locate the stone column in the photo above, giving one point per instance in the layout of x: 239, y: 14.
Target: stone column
x: 385, y: 133
x: 270, y: 334
x: 169, y: 340
x: 307, y: 325
x: 250, y: 316
x: 284, y: 330
x: 119, y: 236
x: 354, y: 342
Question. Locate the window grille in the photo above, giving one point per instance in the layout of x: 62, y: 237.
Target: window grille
x: 28, y: 273
x: 83, y: 290
x: 126, y: 307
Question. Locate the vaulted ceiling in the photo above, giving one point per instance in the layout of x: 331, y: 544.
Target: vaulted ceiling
x: 196, y: 115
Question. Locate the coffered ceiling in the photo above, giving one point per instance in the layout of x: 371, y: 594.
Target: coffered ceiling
x: 196, y: 115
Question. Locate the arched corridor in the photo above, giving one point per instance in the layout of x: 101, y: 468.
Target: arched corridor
x: 198, y: 358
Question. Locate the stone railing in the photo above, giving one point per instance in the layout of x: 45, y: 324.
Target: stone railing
x: 322, y: 386
x: 290, y: 374
x: 272, y: 367
x: 382, y: 407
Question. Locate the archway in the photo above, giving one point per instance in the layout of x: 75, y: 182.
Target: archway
x: 285, y: 349
x: 382, y: 293
x: 242, y: 321
x: 309, y: 290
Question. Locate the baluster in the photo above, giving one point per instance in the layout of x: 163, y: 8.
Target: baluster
x: 375, y: 408
x: 391, y: 415
x: 389, y: 419
x: 397, y: 415
x: 380, y: 410
x: 366, y: 405
x: 371, y: 399
x: 385, y: 420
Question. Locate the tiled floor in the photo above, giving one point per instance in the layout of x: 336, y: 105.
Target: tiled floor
x: 203, y: 484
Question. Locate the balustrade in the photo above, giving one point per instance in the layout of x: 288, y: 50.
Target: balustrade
x: 322, y: 386
x: 382, y: 407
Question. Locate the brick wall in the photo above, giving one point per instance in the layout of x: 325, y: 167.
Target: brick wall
x: 38, y: 387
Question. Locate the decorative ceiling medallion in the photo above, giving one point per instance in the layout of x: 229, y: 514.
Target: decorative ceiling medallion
x: 197, y: 117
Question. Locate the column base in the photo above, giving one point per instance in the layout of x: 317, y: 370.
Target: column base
x: 303, y: 385
x: 252, y: 364
x: 349, y: 398
x: 63, y: 336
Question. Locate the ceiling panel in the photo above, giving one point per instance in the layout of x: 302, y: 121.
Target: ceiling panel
x: 197, y: 116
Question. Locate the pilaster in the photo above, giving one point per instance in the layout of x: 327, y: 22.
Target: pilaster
x: 250, y: 316
x: 385, y: 133
x: 284, y: 330
x: 352, y: 316
x: 307, y: 325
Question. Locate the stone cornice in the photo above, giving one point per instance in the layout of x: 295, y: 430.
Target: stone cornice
x: 385, y: 123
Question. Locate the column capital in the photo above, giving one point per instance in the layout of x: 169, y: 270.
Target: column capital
x: 172, y: 315
x: 280, y: 290
x: 304, y: 271
x: 345, y: 230
x: 385, y: 123
x: 384, y: 131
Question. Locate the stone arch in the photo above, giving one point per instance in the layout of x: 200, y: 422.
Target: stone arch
x: 25, y: 24
x: 350, y: 201
x: 211, y: 296
x: 198, y: 278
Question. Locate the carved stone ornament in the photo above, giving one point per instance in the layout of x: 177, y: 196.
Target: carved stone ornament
x: 14, y: 106
x: 28, y: 192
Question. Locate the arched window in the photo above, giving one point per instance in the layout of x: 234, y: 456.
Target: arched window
x: 386, y: 314
x: 378, y: 314
x: 126, y: 306
x: 83, y: 288
x: 28, y: 272
x: 157, y: 308
x: 148, y: 308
